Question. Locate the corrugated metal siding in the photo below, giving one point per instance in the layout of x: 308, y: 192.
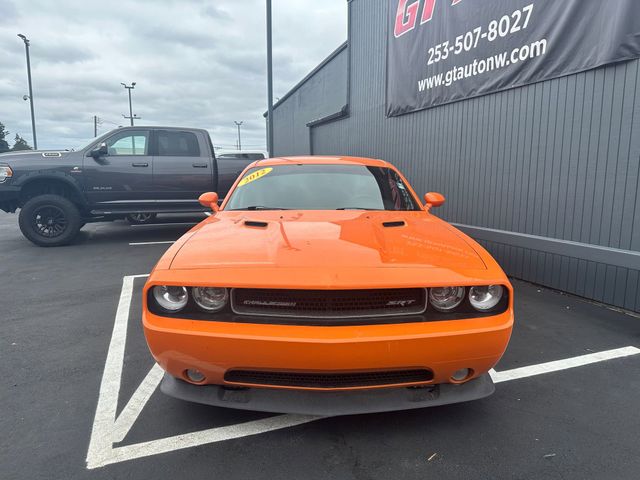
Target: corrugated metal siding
x: 320, y: 95
x: 556, y: 159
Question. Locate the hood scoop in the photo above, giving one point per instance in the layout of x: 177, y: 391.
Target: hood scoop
x: 398, y: 223
x: 255, y: 224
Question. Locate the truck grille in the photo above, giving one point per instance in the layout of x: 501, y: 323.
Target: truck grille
x: 329, y: 303
x: 329, y: 380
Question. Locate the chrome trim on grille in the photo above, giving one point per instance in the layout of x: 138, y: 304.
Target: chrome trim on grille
x: 234, y: 309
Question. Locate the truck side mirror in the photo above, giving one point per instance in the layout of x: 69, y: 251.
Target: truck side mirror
x: 101, y: 151
x: 433, y: 200
x: 209, y: 200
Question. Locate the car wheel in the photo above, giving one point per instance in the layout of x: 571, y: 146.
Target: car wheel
x: 141, y: 218
x: 49, y: 220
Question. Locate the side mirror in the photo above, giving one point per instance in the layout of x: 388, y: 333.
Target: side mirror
x: 101, y: 151
x: 433, y: 199
x: 209, y: 200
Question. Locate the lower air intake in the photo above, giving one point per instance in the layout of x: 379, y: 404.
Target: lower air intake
x: 329, y: 380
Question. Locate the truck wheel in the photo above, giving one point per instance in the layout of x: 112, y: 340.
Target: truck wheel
x: 49, y: 220
x: 141, y: 218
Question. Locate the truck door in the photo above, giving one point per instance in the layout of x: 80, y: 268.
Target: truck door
x: 182, y: 168
x: 124, y: 175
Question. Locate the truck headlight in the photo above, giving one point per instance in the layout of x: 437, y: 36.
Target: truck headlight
x: 486, y: 297
x: 210, y: 299
x: 171, y: 299
x: 5, y: 172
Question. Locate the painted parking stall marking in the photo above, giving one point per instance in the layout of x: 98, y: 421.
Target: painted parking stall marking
x: 138, y: 244
x: 109, y: 428
x: 558, y: 365
x: 168, y: 224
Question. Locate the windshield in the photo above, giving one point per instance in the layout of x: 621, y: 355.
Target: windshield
x: 321, y: 187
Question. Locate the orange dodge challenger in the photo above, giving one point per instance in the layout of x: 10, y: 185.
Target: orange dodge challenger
x: 323, y: 286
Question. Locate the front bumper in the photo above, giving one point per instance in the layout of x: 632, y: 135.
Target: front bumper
x: 214, y: 348
x: 9, y: 196
x: 329, y: 403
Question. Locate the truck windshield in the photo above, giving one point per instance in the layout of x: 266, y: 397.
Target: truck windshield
x: 321, y: 187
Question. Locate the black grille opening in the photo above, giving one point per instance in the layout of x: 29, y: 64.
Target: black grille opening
x: 328, y: 380
x: 329, y: 303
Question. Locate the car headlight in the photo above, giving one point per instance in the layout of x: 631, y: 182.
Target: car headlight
x: 5, y: 172
x: 171, y: 299
x: 445, y: 299
x: 210, y: 299
x: 486, y: 297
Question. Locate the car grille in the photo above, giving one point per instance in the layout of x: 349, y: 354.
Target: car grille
x: 329, y: 303
x: 329, y: 380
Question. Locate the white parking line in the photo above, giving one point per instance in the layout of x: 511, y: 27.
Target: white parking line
x: 556, y: 366
x: 169, y: 224
x: 101, y: 442
x: 135, y: 244
x: 109, y: 429
x: 212, y: 435
x: 136, y: 403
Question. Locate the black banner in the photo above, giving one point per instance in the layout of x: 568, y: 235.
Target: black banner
x: 440, y: 51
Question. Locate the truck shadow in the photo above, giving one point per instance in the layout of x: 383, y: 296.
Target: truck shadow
x: 166, y: 228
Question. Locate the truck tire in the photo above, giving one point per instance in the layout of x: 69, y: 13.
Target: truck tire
x: 49, y: 220
x: 141, y: 218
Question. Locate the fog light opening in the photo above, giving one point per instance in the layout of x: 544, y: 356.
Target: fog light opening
x: 194, y: 376
x: 461, y: 375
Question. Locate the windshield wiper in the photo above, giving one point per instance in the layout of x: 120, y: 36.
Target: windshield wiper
x: 259, y: 207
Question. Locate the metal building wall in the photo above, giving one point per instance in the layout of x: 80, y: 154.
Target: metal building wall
x: 327, y: 82
x: 544, y: 176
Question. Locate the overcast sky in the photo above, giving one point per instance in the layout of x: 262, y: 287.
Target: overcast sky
x: 198, y: 63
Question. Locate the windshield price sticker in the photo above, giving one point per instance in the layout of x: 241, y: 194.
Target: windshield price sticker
x: 254, y: 176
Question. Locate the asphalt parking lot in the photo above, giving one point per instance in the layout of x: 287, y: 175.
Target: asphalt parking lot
x: 71, y: 314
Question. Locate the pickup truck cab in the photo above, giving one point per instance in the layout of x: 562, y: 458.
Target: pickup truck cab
x: 132, y: 172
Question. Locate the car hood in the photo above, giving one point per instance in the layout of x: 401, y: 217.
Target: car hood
x: 317, y: 239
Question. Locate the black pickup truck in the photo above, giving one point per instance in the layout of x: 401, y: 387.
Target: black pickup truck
x: 131, y: 172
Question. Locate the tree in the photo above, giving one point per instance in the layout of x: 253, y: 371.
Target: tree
x: 20, y: 144
x: 4, y: 146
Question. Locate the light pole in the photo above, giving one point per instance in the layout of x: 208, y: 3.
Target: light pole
x: 129, y: 88
x: 269, y: 83
x: 239, y: 142
x: 33, y: 116
x: 135, y: 117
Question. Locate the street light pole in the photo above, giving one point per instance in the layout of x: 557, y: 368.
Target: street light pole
x: 269, y: 83
x: 33, y: 116
x: 129, y: 88
x: 239, y: 142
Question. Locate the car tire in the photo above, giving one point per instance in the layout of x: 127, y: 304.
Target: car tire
x: 141, y: 218
x: 49, y: 220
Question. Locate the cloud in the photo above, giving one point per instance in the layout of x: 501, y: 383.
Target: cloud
x: 195, y: 63
x: 8, y: 12
x: 57, y: 52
